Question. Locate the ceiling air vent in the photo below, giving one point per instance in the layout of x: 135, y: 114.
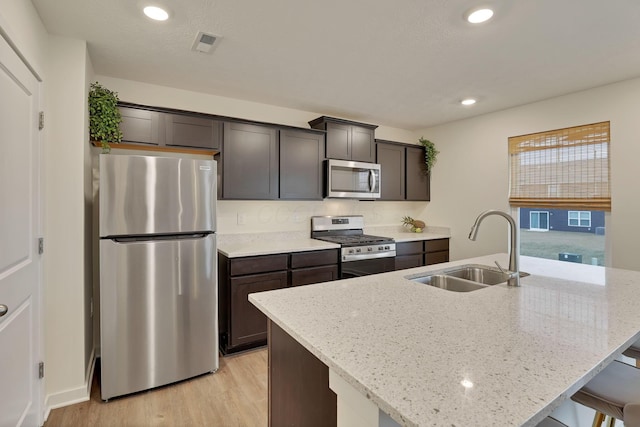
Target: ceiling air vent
x: 205, y: 42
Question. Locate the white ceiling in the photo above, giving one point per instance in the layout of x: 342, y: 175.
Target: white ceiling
x: 400, y: 63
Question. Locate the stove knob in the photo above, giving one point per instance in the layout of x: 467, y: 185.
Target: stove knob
x: 380, y: 248
x: 358, y: 250
x: 386, y: 247
x: 369, y: 249
x: 350, y: 251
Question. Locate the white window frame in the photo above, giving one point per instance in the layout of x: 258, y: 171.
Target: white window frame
x: 538, y: 212
x: 579, y: 218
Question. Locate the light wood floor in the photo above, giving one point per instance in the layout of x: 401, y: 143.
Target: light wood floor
x: 236, y: 395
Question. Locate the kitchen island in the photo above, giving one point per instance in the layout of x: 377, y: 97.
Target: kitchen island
x: 431, y: 357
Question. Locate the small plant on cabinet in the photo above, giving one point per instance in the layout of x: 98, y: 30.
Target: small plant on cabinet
x: 430, y: 154
x: 104, y: 116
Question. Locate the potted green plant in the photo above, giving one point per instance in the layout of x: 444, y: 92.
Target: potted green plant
x: 430, y: 153
x: 104, y: 116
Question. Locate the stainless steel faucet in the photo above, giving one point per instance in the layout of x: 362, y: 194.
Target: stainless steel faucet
x: 514, y: 267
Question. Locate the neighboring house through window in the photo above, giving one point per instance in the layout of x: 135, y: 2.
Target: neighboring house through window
x: 539, y: 221
x: 579, y: 218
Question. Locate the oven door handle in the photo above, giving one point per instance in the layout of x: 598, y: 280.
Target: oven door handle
x: 372, y: 180
x: 354, y: 257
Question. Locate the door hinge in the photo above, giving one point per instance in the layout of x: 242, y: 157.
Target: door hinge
x: 41, y: 120
x: 40, y: 245
x: 41, y: 370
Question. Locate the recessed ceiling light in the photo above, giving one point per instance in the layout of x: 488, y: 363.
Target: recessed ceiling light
x: 466, y: 383
x: 468, y: 101
x: 156, y: 13
x: 479, y: 15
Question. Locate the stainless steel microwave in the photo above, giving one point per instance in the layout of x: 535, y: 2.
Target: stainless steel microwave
x: 353, y: 180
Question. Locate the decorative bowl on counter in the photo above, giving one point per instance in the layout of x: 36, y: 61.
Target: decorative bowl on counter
x: 415, y: 225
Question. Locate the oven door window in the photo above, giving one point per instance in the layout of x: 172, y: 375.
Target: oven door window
x: 367, y: 266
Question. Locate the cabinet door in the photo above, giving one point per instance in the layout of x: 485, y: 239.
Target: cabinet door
x: 301, y: 156
x: 417, y: 185
x: 409, y: 261
x: 250, y: 162
x: 191, y: 131
x: 141, y: 126
x: 362, y: 144
x: 391, y: 160
x: 248, y: 324
x: 338, y: 141
x: 307, y: 276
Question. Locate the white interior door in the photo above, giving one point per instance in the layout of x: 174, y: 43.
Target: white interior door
x: 20, y: 263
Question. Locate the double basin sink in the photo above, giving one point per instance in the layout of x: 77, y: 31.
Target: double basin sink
x: 464, y: 278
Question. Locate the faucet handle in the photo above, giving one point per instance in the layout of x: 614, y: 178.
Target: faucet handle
x: 500, y: 268
x: 514, y: 276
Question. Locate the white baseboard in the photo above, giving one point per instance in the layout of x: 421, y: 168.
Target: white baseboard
x: 74, y: 395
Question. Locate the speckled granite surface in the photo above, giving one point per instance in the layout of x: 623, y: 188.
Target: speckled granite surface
x: 408, y: 345
x: 250, y: 244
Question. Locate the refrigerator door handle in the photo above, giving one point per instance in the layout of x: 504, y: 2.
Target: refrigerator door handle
x: 133, y: 239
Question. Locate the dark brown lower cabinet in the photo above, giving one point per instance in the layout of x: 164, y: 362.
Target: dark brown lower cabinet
x: 299, y: 393
x: 314, y: 267
x: 248, y: 324
x: 409, y: 254
x: 436, y: 251
x: 242, y: 325
x: 420, y: 253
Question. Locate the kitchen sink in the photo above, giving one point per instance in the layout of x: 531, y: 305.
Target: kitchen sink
x: 464, y: 278
x: 450, y: 283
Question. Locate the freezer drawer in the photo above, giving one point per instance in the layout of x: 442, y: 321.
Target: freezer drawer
x: 156, y: 195
x: 158, y: 312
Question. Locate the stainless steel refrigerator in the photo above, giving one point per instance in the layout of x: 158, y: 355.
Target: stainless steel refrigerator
x: 158, y: 280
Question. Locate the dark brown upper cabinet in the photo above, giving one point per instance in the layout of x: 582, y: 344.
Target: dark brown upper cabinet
x: 165, y: 129
x: 301, y: 155
x: 141, y: 126
x: 250, y: 162
x: 402, y: 172
x: 347, y: 140
x: 391, y: 158
x: 418, y: 185
x: 190, y: 131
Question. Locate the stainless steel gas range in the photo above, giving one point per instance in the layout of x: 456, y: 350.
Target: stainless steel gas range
x: 360, y: 254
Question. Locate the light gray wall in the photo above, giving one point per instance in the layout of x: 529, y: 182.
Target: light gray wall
x: 472, y: 170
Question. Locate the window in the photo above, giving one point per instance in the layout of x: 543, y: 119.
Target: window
x: 566, y: 173
x: 579, y: 218
x: 539, y: 221
x: 564, y: 168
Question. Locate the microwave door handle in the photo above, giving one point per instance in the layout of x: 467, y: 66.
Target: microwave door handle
x: 372, y: 180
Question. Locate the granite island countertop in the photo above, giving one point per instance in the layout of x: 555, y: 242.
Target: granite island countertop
x: 408, y: 346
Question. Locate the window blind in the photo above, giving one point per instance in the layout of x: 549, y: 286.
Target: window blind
x: 564, y: 168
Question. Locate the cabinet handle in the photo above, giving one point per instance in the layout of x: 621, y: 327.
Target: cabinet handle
x: 3, y: 310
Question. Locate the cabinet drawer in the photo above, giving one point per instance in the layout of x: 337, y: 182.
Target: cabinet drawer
x: 436, y: 245
x: 436, y: 257
x: 409, y: 248
x: 307, y: 276
x: 257, y: 264
x: 408, y: 261
x: 314, y: 258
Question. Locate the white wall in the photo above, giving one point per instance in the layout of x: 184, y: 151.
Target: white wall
x: 269, y: 215
x: 472, y: 170
x: 60, y: 64
x: 68, y: 283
